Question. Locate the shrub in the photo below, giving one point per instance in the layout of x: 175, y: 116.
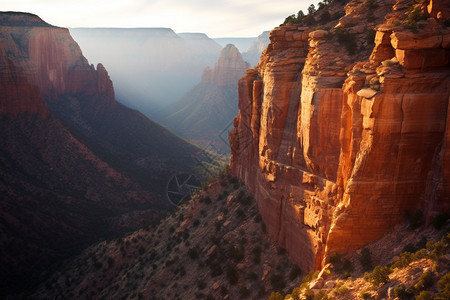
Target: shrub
x: 295, y: 272
x: 223, y: 290
x: 277, y: 282
x: 399, y: 292
x: 440, y: 220
x: 422, y: 243
x: 444, y: 287
x: 439, y: 248
x: 310, y: 276
x: 365, y: 295
x: 380, y: 275
x: 343, y: 267
x: 409, y: 248
x: 256, y: 255
x: 290, y: 20
x: 425, y: 281
x: 371, y: 4
x: 309, y: 295
x: 309, y: 20
x: 415, y: 219
x: 366, y: 259
x: 193, y: 254
x: 424, y: 295
x: 347, y: 39
x: 405, y: 259
x: 342, y: 290
x: 296, y: 293
x: 322, y: 295
x: 231, y: 274
x: 235, y: 253
x: 413, y: 15
x: 325, y: 17
x: 252, y: 276
x: 216, y: 269
x: 244, y: 292
x: 275, y: 296
x: 201, y: 284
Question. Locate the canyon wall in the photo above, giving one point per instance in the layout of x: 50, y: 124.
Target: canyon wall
x: 52, y: 60
x: 339, y: 137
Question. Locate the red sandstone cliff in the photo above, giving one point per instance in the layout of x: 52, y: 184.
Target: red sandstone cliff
x: 338, y: 138
x: 17, y: 95
x: 50, y: 58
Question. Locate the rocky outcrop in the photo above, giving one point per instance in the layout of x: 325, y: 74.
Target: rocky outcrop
x: 204, y: 114
x: 52, y: 60
x: 337, y: 138
x: 253, y: 53
x: 228, y: 69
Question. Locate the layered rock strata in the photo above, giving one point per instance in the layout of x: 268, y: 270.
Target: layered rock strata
x: 339, y: 140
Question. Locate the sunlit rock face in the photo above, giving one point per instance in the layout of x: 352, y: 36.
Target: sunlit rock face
x: 337, y: 145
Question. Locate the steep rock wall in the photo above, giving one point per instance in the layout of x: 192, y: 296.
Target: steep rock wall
x: 51, y: 59
x: 336, y: 151
x: 17, y: 95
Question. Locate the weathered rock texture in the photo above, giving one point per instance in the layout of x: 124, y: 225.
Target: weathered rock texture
x: 337, y: 140
x: 53, y: 61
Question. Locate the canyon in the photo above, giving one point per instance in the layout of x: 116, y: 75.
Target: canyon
x: 75, y: 164
x: 343, y: 131
x: 150, y: 67
x: 206, y: 111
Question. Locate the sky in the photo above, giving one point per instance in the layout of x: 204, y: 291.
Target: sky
x: 216, y: 18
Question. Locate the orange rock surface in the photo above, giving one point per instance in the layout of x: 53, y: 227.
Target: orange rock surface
x: 338, y: 147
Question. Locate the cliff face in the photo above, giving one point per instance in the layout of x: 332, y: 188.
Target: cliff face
x: 338, y: 138
x: 52, y: 60
x: 17, y: 94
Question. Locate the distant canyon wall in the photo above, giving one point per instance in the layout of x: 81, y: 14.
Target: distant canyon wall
x: 337, y: 137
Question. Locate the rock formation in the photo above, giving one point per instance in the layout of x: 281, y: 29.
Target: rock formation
x: 228, y: 69
x: 254, y: 51
x: 337, y: 137
x: 203, y: 114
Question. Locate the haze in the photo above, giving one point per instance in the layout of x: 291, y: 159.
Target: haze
x: 217, y: 18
